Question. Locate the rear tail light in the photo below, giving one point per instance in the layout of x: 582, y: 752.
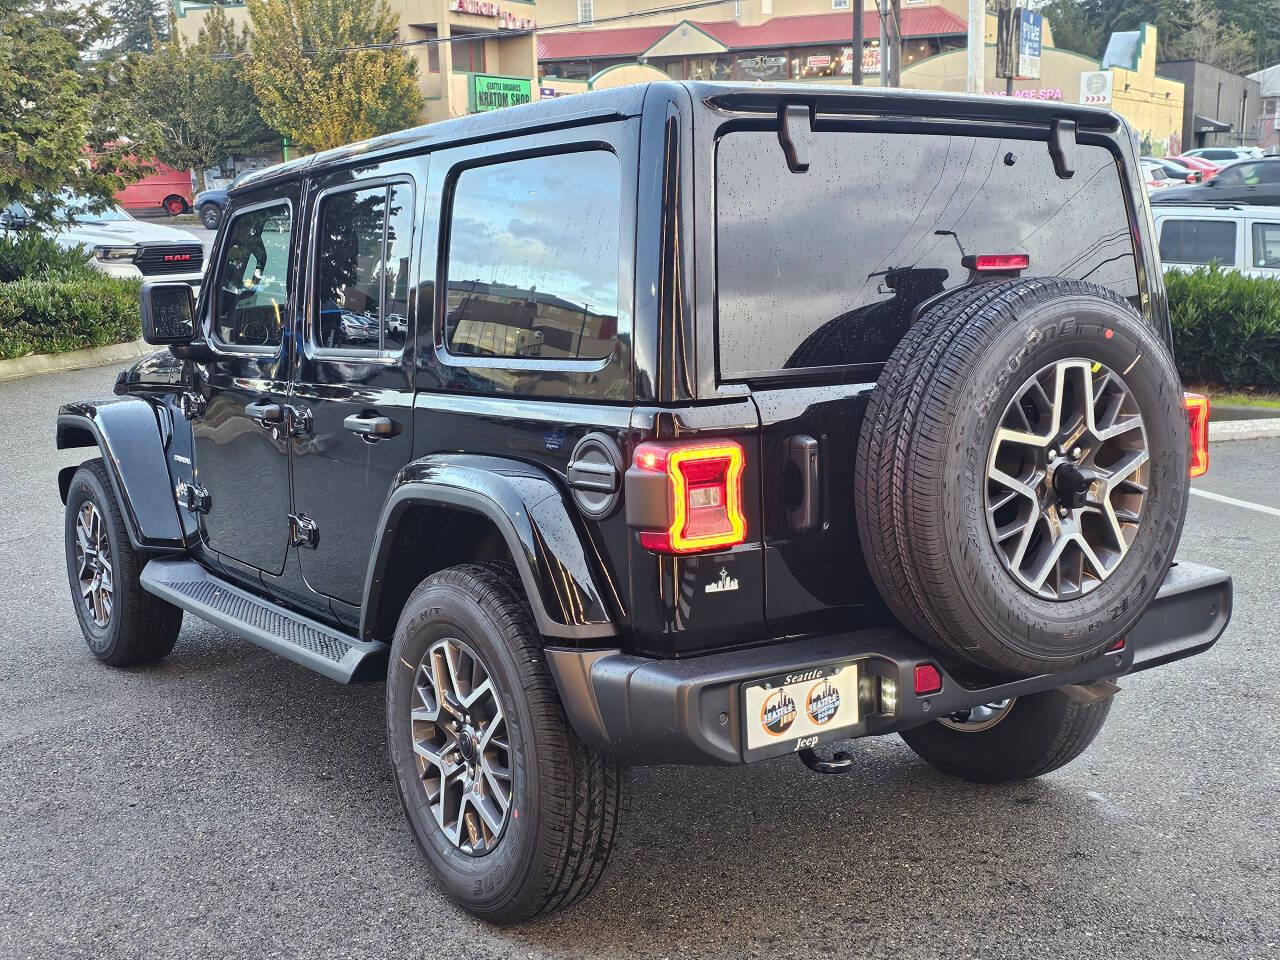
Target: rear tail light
x: 997, y: 262
x: 687, y: 497
x: 1198, y: 420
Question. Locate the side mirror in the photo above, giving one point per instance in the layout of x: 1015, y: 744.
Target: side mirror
x: 168, y: 313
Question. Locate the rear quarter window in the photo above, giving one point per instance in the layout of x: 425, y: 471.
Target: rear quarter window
x: 825, y: 268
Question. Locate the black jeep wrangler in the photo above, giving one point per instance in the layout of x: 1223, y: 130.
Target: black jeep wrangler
x: 688, y: 423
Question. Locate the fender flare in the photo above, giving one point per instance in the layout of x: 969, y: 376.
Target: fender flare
x: 127, y: 433
x: 527, y: 508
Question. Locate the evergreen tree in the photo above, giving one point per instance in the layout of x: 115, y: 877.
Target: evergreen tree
x: 137, y: 24
x: 196, y: 100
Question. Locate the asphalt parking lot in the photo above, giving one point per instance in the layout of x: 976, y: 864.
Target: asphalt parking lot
x: 226, y: 803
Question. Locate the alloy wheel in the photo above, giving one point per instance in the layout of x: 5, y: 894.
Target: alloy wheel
x: 93, y: 564
x: 460, y: 737
x: 1067, y: 476
x: 977, y: 719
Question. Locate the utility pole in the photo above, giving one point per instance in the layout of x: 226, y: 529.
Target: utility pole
x: 977, y: 46
x: 858, y: 42
x: 884, y: 44
x: 895, y: 43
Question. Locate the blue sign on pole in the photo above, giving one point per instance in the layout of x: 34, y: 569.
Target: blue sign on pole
x: 1030, y: 32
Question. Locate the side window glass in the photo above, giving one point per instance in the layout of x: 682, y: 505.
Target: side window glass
x: 251, y: 302
x: 1266, y: 245
x: 1198, y: 241
x: 1231, y: 177
x: 348, y: 263
x: 396, y: 275
x: 363, y: 241
x: 533, y: 258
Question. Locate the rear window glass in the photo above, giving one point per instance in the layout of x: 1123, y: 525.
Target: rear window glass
x: 1198, y: 241
x: 826, y: 267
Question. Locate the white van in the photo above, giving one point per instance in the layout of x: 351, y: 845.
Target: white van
x: 1243, y: 238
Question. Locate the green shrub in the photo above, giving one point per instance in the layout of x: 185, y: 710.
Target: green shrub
x: 1226, y: 328
x: 67, y: 310
x: 29, y: 254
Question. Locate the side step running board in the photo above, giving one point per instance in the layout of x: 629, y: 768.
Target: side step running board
x: 325, y: 650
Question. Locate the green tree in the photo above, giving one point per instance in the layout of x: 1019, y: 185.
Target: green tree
x: 313, y: 87
x: 1212, y: 41
x: 196, y: 99
x: 137, y: 24
x: 63, y: 124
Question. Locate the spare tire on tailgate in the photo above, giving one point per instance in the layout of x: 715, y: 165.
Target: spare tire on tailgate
x: 1022, y: 473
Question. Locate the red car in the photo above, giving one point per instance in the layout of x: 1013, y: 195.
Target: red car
x: 1195, y: 163
x: 167, y: 188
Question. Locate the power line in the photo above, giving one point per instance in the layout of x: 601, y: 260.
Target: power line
x: 501, y: 34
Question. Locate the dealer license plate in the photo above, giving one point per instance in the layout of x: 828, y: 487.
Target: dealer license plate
x: 800, y: 706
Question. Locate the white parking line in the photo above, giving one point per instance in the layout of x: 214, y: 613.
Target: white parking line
x: 1271, y: 511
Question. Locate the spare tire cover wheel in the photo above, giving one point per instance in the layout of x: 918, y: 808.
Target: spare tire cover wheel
x: 1037, y: 473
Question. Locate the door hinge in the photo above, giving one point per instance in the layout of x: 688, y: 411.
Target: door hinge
x: 299, y: 421
x: 192, y: 496
x: 303, y: 531
x: 192, y: 405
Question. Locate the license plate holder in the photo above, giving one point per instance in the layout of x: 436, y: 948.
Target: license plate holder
x: 792, y: 711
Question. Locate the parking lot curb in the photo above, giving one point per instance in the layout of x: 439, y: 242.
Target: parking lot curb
x: 73, y: 360
x: 1245, y: 429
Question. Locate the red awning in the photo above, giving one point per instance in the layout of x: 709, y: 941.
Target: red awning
x: 818, y: 28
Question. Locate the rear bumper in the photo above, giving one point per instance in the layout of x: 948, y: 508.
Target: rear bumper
x: 692, y: 711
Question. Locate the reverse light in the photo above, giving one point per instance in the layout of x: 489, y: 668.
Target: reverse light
x: 928, y: 679
x: 1198, y: 419
x: 888, y: 696
x: 702, y: 493
x: 108, y: 254
x: 997, y: 262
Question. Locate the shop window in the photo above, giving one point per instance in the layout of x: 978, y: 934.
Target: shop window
x: 468, y: 54
x: 519, y: 283
x: 766, y: 65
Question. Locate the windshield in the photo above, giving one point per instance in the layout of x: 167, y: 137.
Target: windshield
x: 81, y: 210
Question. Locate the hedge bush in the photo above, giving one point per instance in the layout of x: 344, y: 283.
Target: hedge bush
x: 1226, y: 328
x: 29, y: 254
x: 64, y: 310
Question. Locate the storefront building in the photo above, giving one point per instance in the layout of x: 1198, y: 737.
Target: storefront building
x: 813, y: 47
x: 481, y: 68
x: 1220, y: 109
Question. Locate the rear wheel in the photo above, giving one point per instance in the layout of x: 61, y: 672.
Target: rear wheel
x: 1021, y: 478
x: 514, y: 815
x: 122, y: 623
x: 175, y: 205
x: 210, y: 215
x: 1014, y: 739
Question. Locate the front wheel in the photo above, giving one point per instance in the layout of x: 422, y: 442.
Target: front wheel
x: 514, y: 815
x: 122, y: 623
x: 1014, y: 739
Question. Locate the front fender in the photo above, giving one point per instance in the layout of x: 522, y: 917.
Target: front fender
x: 126, y: 431
x: 524, y: 503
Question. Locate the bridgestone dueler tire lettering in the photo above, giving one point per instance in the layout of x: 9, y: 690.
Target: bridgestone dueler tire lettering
x: 921, y: 471
x: 567, y: 799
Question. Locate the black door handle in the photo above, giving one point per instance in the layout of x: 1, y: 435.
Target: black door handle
x: 265, y: 412
x: 372, y: 427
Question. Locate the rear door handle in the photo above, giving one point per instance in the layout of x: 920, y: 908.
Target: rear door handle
x: 265, y: 412
x: 372, y: 427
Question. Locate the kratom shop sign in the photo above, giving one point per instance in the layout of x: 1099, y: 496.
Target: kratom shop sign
x: 494, y: 93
